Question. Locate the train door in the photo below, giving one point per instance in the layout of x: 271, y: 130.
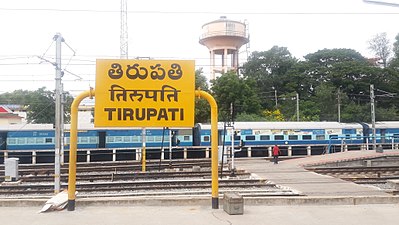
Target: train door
x: 220, y: 137
x: 197, y: 135
x: 3, y: 140
x: 101, y: 139
x: 382, y: 135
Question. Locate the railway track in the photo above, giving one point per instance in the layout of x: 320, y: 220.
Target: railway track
x: 111, y: 176
x: 136, y: 186
x: 376, y: 176
x: 358, y: 171
x: 191, y: 177
x: 48, y: 169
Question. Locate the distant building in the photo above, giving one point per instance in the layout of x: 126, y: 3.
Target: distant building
x: 376, y: 62
x: 16, y: 114
x: 7, y: 116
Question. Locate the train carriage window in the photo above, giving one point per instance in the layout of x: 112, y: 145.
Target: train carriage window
x: 118, y: 139
x: 278, y: 137
x: 250, y: 138
x: 150, y: 138
x: 264, y: 137
x: 48, y: 140
x: 84, y: 140
x: 306, y: 137
x: 320, y: 137
x: 110, y: 139
x: 31, y: 140
x: 39, y: 140
x: 206, y: 138
x: 135, y: 139
x: 186, y: 138
x: 333, y: 137
x: 11, y: 141
x: 21, y: 141
x: 126, y: 139
x: 292, y: 137
x: 159, y: 138
x: 93, y: 139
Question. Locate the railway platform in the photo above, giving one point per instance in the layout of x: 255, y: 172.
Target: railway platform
x: 317, y: 188
x: 323, y: 200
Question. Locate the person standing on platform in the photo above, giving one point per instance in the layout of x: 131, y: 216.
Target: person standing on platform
x: 276, y: 153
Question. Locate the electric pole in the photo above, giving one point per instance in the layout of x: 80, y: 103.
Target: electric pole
x: 373, y: 115
x: 339, y: 105
x: 58, y: 113
x: 297, y: 107
x: 372, y: 103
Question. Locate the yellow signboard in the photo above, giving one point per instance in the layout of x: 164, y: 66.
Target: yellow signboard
x: 144, y: 93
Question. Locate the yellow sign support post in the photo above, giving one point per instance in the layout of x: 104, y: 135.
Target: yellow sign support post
x: 214, y: 147
x: 73, y: 147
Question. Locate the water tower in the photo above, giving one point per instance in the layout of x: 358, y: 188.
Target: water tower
x: 224, y: 38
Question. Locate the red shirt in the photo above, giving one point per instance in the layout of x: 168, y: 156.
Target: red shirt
x: 276, y: 150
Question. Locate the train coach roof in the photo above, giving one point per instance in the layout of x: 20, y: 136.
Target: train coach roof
x: 386, y: 124
x: 26, y: 127
x: 287, y: 125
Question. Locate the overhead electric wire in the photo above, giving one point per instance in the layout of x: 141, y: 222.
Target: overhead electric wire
x: 196, y: 12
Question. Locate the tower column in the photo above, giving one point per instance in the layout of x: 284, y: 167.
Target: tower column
x: 212, y: 60
x: 225, y: 60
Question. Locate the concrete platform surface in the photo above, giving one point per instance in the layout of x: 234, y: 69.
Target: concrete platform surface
x: 386, y: 214
x: 326, y: 200
x: 291, y: 174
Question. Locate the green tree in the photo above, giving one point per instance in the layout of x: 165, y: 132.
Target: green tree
x: 394, y: 63
x: 353, y: 112
x: 41, y: 109
x: 273, y: 115
x: 336, y: 66
x: 267, y: 70
x: 234, y: 93
x: 39, y: 104
x: 244, y: 117
x: 202, y: 108
x: 386, y: 114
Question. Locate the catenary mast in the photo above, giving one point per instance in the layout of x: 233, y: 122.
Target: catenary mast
x: 124, y: 40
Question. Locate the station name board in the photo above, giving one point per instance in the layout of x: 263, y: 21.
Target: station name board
x: 144, y: 93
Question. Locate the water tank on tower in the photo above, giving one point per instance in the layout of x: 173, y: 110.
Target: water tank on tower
x: 224, y: 38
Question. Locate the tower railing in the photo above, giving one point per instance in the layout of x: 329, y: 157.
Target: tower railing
x: 225, y: 33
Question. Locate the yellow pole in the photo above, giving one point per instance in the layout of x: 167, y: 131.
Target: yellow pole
x: 214, y: 146
x: 143, y: 151
x: 73, y: 147
x: 143, y: 160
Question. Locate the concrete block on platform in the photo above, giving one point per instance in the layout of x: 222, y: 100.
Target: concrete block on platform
x: 233, y: 203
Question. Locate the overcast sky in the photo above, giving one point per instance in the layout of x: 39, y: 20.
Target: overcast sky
x: 170, y: 30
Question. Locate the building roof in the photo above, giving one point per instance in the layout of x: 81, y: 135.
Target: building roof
x: 9, y: 116
x: 4, y: 109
